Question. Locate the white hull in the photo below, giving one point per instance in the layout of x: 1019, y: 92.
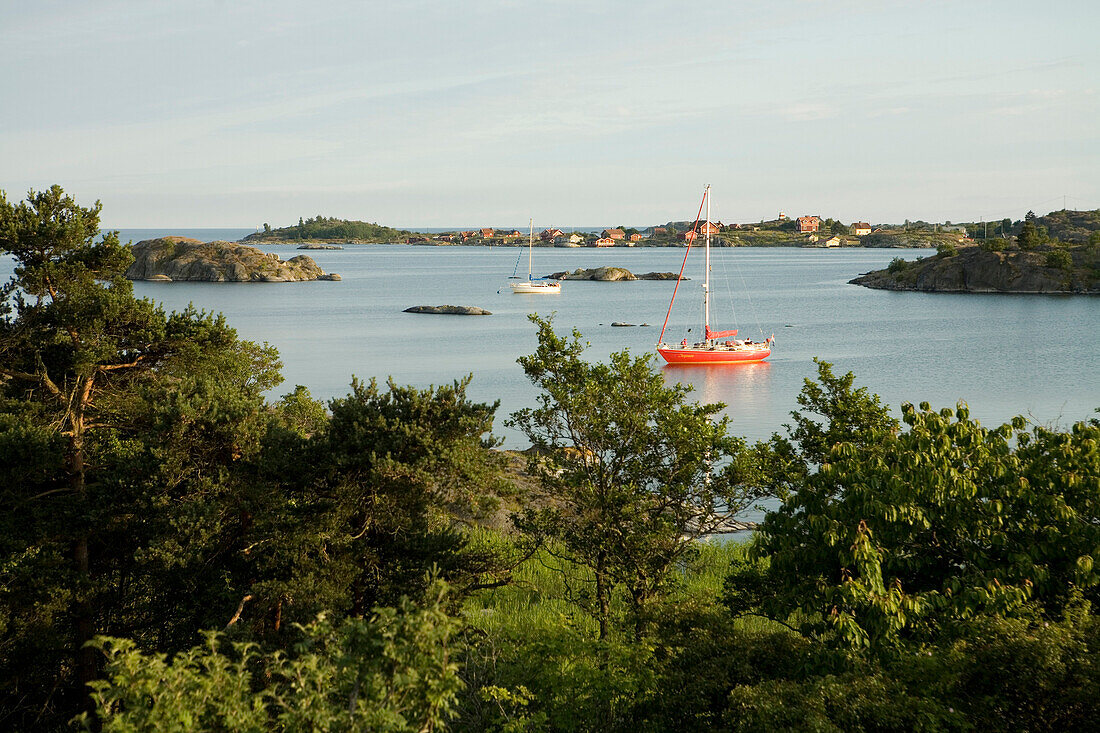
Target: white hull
x: 544, y: 288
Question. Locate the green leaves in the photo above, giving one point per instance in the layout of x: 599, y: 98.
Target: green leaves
x: 392, y: 671
x: 632, y: 473
x: 897, y: 534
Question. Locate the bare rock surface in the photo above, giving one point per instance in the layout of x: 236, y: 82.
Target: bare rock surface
x: 180, y: 258
x: 449, y: 310
x: 610, y: 274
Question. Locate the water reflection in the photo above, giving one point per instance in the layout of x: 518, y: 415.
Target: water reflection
x: 737, y: 385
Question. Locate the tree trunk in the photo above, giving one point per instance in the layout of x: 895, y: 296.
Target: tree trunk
x: 84, y: 612
x: 602, y: 601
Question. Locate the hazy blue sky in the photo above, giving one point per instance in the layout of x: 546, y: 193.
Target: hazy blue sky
x: 574, y: 112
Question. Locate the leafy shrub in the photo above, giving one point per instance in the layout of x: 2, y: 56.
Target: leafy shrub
x: 1059, y: 258
x: 946, y: 249
x: 897, y: 265
x: 390, y: 672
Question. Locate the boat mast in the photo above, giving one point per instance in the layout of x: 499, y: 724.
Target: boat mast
x: 530, y: 245
x: 706, y: 274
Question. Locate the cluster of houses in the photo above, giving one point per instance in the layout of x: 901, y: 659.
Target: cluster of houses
x: 809, y: 225
x: 555, y: 237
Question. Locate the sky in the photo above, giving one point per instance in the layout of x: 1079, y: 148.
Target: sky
x: 437, y: 113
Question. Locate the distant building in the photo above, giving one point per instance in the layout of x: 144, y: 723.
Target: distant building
x: 487, y: 233
x: 635, y: 237
x: 660, y: 231
x: 575, y: 239
x: 688, y: 236
x: 605, y: 242
x: 860, y: 228
x: 808, y: 224
x: 710, y: 227
x: 548, y: 234
x: 613, y: 234
x: 834, y: 242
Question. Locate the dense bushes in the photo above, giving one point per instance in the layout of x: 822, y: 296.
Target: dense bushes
x: 927, y: 574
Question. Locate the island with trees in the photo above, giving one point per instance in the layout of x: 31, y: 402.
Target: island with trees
x: 328, y: 230
x: 180, y: 553
x: 1032, y: 261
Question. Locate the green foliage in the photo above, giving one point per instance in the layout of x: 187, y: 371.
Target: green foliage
x: 329, y: 228
x: 1073, y: 227
x: 897, y: 266
x: 946, y: 249
x: 633, y: 474
x: 299, y: 413
x: 361, y: 504
x: 552, y: 679
x: 393, y: 671
x: 131, y: 423
x: 993, y: 245
x: 1059, y: 258
x: 901, y: 535
x: 1029, y: 237
x: 850, y: 416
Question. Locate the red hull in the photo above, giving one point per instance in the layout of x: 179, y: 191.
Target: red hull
x: 719, y: 355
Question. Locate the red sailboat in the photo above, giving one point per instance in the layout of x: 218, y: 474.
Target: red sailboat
x: 717, y: 347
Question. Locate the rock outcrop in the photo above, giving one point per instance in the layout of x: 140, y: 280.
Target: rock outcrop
x: 610, y: 274
x: 180, y: 258
x: 449, y: 310
x: 976, y: 270
x: 320, y: 246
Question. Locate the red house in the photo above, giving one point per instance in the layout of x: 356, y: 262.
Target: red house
x: 487, y: 233
x: 808, y: 224
x: 613, y: 234
x: 605, y: 242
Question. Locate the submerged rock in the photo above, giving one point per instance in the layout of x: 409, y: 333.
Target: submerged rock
x: 449, y: 310
x: 179, y: 258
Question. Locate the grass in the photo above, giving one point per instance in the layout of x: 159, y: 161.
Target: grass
x: 547, y: 591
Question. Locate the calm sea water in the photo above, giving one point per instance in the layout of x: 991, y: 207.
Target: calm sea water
x: 1004, y: 355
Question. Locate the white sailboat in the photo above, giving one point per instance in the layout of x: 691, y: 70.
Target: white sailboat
x: 535, y: 286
